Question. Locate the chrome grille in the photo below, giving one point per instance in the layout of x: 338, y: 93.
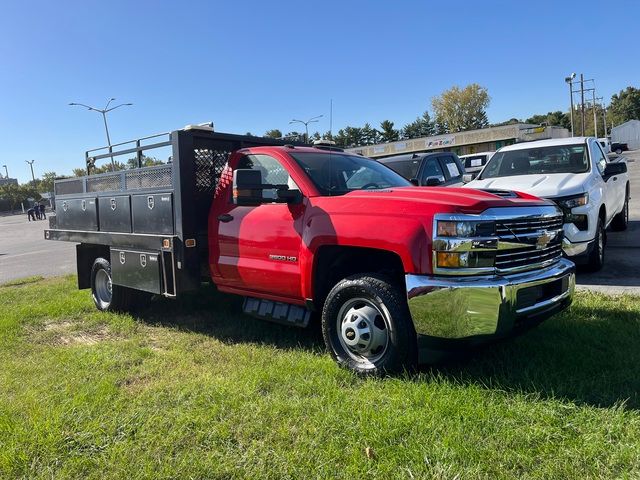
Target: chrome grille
x: 527, y: 225
x: 527, y: 258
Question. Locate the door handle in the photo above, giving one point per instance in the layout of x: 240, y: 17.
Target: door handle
x: 225, y: 217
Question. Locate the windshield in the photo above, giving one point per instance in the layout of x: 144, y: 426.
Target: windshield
x: 532, y: 161
x: 336, y: 174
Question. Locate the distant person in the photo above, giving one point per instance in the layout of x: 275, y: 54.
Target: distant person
x: 36, y: 209
x: 31, y: 214
x: 42, y: 214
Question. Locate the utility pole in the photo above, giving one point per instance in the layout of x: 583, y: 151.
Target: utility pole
x: 104, y: 112
x: 582, y: 101
x: 6, y: 171
x: 33, y: 177
x: 569, y: 81
x: 595, y: 120
x: 604, y: 114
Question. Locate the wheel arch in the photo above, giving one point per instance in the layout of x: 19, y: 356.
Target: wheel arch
x: 332, y: 263
x: 86, y: 254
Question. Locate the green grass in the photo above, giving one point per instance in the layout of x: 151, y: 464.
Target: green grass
x: 193, y: 389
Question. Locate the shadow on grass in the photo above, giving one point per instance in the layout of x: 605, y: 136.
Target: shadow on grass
x: 220, y: 316
x: 589, y: 355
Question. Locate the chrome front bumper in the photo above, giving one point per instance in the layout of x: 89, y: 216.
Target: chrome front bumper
x: 463, y: 307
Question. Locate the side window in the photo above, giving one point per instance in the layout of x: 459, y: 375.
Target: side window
x: 272, y: 172
x: 451, y: 167
x: 432, y: 168
x: 599, y: 158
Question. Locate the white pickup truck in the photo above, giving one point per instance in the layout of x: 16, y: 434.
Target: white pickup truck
x: 591, y: 190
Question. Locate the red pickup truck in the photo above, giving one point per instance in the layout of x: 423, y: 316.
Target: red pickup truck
x: 397, y: 273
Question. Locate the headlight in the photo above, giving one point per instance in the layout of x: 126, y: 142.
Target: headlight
x: 464, y: 229
x: 574, y: 201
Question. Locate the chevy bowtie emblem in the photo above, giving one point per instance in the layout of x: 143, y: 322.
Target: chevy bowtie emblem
x: 543, y: 240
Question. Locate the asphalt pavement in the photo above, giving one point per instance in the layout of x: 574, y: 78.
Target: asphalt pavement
x: 25, y: 252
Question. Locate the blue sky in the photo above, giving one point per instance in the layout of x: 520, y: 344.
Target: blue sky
x: 252, y: 66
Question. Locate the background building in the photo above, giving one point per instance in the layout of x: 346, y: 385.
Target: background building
x: 472, y: 141
x: 8, y: 181
x: 627, y: 132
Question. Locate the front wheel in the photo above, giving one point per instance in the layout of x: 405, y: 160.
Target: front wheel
x: 106, y: 296
x: 367, y: 326
x: 596, y: 258
x: 621, y: 220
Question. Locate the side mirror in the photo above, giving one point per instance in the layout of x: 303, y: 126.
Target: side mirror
x: 415, y: 181
x: 247, y: 187
x: 433, y: 181
x: 614, y: 168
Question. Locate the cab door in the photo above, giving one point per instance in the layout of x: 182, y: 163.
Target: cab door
x: 258, y: 247
x: 610, y: 187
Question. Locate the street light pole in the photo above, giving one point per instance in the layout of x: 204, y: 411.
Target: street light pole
x: 569, y: 80
x: 6, y: 170
x: 582, y: 101
x: 104, y: 112
x: 306, y: 126
x: 33, y: 177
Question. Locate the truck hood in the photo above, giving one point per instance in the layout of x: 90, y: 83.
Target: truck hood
x: 541, y: 185
x: 420, y: 200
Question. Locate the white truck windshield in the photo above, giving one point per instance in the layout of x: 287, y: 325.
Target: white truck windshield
x: 532, y: 161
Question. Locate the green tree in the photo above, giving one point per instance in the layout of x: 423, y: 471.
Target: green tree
x: 420, y: 127
x: 370, y: 135
x: 17, y: 194
x: 459, y: 109
x: 146, y: 162
x: 557, y: 118
x: 625, y: 105
x: 275, y: 133
x: 387, y: 132
x: 46, y: 183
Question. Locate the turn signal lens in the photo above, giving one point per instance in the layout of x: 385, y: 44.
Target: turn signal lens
x: 448, y: 260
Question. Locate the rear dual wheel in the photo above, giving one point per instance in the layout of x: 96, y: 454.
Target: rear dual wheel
x: 107, y: 296
x: 367, y: 326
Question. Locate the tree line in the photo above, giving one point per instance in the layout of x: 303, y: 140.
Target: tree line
x: 454, y: 110
x: 459, y: 109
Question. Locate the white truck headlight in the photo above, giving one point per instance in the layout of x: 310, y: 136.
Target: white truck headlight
x: 573, y: 201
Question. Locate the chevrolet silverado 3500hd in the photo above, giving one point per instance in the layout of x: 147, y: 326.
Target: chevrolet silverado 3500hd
x: 395, y: 271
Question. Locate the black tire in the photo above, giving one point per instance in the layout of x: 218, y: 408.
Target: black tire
x: 621, y: 220
x: 369, y: 303
x: 596, y: 257
x: 106, y: 296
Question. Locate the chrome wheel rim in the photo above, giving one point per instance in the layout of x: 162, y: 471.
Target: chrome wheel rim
x: 626, y: 210
x: 103, y: 288
x: 363, y: 330
x: 601, y: 244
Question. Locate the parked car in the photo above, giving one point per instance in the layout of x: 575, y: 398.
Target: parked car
x: 396, y: 272
x: 619, y: 147
x: 474, y: 162
x: 592, y: 191
x: 438, y: 169
x: 605, y: 143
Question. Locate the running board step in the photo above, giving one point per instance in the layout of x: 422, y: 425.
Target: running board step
x: 277, y: 312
